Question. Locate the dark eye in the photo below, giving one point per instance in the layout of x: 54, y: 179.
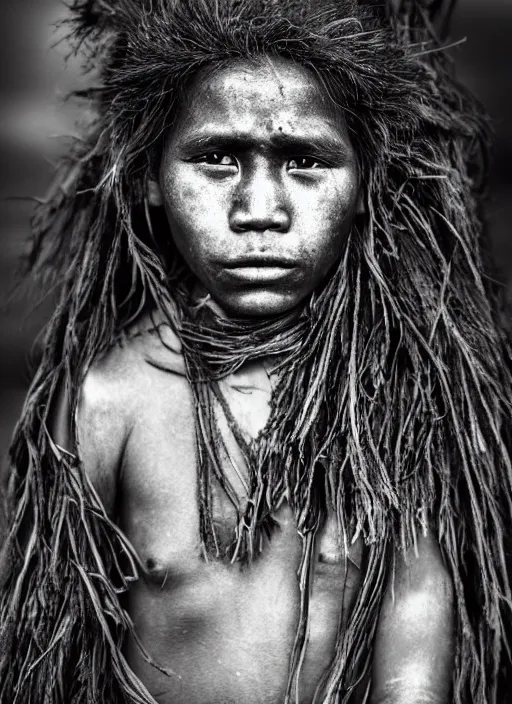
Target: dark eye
x: 217, y: 159
x: 304, y: 162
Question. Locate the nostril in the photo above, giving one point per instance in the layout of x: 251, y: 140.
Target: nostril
x: 245, y: 220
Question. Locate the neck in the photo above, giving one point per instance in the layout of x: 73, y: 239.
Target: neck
x: 217, y: 345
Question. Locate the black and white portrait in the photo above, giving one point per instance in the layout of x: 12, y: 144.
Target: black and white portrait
x: 256, y: 375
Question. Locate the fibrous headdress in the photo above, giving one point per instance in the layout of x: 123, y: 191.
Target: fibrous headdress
x: 393, y: 401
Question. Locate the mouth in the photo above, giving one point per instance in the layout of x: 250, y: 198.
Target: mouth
x: 260, y: 262
x: 259, y: 274
x: 259, y: 269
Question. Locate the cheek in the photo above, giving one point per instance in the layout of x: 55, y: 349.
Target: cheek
x: 195, y: 220
x: 326, y: 218
x: 340, y: 201
x: 180, y: 199
x: 185, y: 211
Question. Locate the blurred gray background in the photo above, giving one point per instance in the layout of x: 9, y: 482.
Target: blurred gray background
x: 33, y: 81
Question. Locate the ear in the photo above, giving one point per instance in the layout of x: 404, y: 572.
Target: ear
x: 155, y: 196
x: 360, y: 206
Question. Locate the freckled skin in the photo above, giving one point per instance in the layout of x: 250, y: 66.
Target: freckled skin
x: 261, y: 200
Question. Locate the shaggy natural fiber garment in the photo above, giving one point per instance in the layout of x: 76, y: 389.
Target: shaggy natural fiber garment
x: 393, y: 402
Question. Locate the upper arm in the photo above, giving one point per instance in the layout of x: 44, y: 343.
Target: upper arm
x: 413, y: 657
x: 100, y: 432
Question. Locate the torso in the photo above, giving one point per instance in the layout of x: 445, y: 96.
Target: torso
x: 225, y: 630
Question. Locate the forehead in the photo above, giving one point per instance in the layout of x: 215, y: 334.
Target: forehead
x: 260, y: 98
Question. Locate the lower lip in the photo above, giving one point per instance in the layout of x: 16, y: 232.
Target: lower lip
x: 259, y: 274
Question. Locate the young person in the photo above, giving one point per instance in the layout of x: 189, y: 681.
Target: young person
x: 265, y: 457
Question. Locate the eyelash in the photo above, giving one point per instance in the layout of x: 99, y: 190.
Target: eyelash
x: 203, y: 158
x: 317, y: 163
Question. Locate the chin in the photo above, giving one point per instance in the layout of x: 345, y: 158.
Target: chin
x: 259, y: 304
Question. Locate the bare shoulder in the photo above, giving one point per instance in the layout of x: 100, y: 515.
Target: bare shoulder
x: 115, y: 395
x: 422, y: 571
x: 414, y: 650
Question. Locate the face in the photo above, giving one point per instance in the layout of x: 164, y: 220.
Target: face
x: 259, y: 181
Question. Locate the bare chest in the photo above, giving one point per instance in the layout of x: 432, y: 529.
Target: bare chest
x: 227, y: 630
x: 222, y: 628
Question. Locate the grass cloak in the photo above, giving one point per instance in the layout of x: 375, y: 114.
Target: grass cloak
x: 393, y: 405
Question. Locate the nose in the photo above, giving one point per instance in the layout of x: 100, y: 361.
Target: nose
x: 260, y: 203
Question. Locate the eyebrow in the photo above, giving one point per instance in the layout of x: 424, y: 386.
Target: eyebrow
x: 323, y: 146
